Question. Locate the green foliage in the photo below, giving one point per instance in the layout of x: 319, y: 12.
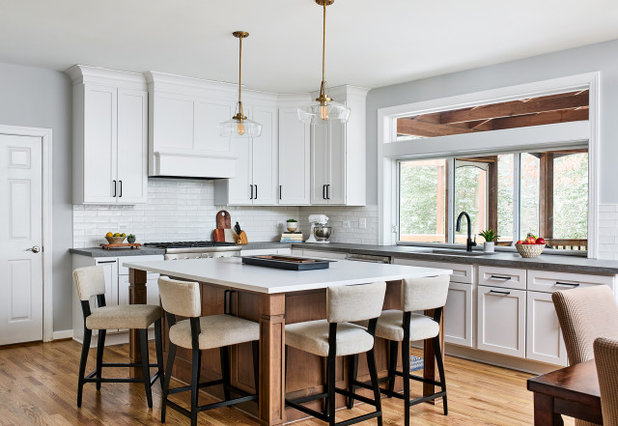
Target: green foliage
x: 419, y: 198
x: 489, y: 235
x: 292, y: 220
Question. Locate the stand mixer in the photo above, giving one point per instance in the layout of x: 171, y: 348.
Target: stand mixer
x: 319, y: 231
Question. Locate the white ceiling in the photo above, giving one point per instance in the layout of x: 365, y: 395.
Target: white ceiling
x: 369, y: 43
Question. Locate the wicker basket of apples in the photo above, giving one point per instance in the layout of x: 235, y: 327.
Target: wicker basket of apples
x: 532, y: 246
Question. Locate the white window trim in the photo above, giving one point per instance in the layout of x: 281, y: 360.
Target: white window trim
x: 547, y: 136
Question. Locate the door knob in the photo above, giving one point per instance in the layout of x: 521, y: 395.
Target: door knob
x: 34, y: 249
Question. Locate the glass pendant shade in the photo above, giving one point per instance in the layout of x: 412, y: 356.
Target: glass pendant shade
x: 235, y: 127
x: 318, y: 113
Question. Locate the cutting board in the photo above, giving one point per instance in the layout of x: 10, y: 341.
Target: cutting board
x: 224, y: 232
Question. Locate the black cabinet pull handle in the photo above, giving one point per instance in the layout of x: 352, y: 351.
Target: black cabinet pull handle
x: 328, y: 191
x: 256, y: 193
x: 280, y: 189
x: 324, y: 192
x: 120, y: 196
x: 105, y: 261
x: 251, y: 189
x: 506, y: 293
x: 115, y: 186
x: 561, y: 284
x: 500, y: 277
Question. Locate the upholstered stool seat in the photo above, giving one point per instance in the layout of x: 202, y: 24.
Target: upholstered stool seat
x: 124, y: 316
x: 216, y: 331
x: 312, y: 337
x: 390, y: 326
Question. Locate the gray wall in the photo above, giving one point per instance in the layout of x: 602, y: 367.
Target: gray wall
x: 601, y: 57
x: 37, y: 97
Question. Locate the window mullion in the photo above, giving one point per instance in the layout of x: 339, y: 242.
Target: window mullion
x: 450, y: 201
x: 516, y: 196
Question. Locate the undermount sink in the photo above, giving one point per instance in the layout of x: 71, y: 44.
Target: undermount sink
x: 460, y: 252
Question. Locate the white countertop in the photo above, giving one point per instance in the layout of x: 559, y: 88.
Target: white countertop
x: 230, y: 272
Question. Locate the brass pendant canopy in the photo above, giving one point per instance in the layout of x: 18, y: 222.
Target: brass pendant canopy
x: 240, y: 125
x: 324, y: 109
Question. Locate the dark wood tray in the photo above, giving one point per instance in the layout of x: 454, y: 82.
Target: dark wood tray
x: 286, y: 262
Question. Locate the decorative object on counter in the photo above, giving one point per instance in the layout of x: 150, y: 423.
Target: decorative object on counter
x: 115, y: 238
x: 131, y: 239
x: 292, y: 225
x: 490, y: 239
x: 241, y: 236
x: 286, y: 262
x: 532, y: 246
x: 223, y: 232
x: 317, y: 220
x: 322, y: 233
x: 240, y: 125
x: 292, y: 237
x: 121, y: 245
x: 324, y: 109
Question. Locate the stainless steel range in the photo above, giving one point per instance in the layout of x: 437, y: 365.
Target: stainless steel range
x: 196, y: 249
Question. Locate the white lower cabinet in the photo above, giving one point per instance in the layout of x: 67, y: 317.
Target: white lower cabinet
x: 501, y: 321
x: 544, y: 341
x: 458, y: 315
x: 320, y: 254
x: 258, y: 252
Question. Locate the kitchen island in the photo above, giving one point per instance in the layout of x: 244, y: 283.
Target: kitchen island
x: 273, y: 297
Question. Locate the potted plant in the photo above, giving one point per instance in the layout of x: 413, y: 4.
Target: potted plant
x: 131, y: 239
x: 490, y: 238
x: 292, y: 225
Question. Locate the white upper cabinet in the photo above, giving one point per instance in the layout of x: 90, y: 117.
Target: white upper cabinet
x: 255, y: 182
x: 184, y: 127
x: 110, y: 136
x: 338, y: 167
x: 294, y: 155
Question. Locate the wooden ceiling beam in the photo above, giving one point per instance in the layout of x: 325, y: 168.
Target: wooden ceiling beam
x: 421, y: 128
x: 514, y: 108
x: 552, y: 117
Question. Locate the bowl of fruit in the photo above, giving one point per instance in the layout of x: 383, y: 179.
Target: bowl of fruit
x: 115, y: 238
x: 532, y: 246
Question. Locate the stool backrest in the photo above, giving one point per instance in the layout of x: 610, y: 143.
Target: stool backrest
x: 605, y: 356
x: 89, y: 281
x: 585, y: 314
x: 355, y: 302
x: 180, y: 297
x: 419, y: 294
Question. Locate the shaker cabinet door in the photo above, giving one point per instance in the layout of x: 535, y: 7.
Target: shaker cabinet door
x: 544, y: 340
x: 294, y: 159
x: 264, y: 153
x: 458, y: 315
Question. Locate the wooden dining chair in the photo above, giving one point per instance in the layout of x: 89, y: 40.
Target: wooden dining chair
x: 336, y: 336
x: 606, y: 359
x: 198, y: 333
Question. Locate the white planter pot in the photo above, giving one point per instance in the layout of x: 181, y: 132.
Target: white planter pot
x: 490, y: 247
x: 292, y: 226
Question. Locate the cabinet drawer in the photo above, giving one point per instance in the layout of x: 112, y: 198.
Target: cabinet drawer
x: 324, y: 254
x: 502, y: 277
x: 462, y: 273
x: 549, y: 282
x: 123, y: 270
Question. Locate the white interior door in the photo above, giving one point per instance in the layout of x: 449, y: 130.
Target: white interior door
x: 21, y: 257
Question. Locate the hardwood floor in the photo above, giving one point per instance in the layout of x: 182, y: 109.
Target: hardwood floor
x: 38, y: 387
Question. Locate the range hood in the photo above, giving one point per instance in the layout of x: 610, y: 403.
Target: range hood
x: 184, y: 138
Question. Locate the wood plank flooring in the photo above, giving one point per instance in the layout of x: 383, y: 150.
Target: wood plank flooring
x: 38, y: 387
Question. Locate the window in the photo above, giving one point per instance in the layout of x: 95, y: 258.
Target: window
x: 540, y: 192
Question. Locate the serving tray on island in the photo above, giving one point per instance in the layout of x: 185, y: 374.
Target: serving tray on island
x: 286, y: 262
x: 121, y: 245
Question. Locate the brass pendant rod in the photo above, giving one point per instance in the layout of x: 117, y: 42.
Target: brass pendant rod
x: 240, y: 75
x: 323, y: 42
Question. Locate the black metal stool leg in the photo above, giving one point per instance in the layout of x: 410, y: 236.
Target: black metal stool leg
x: 330, y: 384
x: 224, y: 355
x: 255, y: 346
x: 352, y: 373
x: 373, y: 372
x: 159, y: 348
x: 171, y: 354
x: 143, y: 342
x: 405, y: 355
x: 82, y: 365
x: 196, y: 367
x: 392, y: 364
x: 438, y: 352
x: 100, y: 347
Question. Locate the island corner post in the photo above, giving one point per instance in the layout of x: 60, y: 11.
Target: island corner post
x: 271, y: 315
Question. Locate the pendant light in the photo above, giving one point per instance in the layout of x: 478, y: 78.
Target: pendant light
x: 240, y: 125
x: 325, y: 109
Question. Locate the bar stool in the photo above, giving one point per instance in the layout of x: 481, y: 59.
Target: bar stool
x: 199, y: 333
x: 338, y: 336
x: 89, y: 282
x: 406, y: 326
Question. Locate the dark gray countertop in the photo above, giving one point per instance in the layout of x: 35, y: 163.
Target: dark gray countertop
x: 99, y: 252
x: 547, y: 262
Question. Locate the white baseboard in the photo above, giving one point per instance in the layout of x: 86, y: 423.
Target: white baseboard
x: 62, y: 334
